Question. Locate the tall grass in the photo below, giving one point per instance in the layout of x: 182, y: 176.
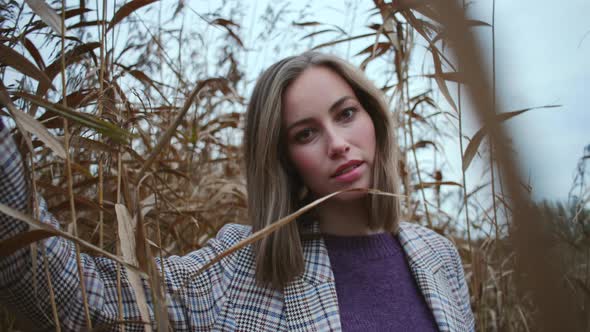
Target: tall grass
x: 137, y: 146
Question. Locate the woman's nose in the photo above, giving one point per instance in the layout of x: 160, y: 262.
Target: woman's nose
x: 337, y: 145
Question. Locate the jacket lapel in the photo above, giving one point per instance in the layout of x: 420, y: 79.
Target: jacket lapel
x: 311, y: 303
x: 427, y: 269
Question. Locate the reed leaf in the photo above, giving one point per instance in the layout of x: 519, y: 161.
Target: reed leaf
x: 34, y: 52
x: 440, y: 81
x: 344, y: 40
x: 449, y: 76
x: 306, y: 24
x: 13, y: 59
x: 47, y: 14
x: 127, y: 228
x: 227, y: 24
x: 127, y: 9
x: 424, y: 185
x: 30, y: 125
x: 422, y: 144
x: 21, y: 240
x: 315, y: 33
x: 50, y: 231
x: 85, y: 24
x: 477, y: 138
x: 108, y: 129
x: 70, y: 57
x: 37, y: 25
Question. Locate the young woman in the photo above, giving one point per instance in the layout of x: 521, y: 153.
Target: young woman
x: 315, y: 125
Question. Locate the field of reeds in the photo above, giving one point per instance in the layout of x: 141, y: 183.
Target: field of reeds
x: 129, y: 117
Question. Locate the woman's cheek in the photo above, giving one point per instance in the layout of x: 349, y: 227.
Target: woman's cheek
x: 305, y: 163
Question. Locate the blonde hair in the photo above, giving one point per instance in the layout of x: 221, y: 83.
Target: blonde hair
x: 273, y: 188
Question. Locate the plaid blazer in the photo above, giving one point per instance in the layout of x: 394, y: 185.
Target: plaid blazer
x: 223, y: 298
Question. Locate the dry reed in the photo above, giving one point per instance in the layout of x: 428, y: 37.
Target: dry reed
x: 140, y: 137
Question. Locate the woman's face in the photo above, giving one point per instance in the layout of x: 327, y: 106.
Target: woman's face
x: 330, y: 136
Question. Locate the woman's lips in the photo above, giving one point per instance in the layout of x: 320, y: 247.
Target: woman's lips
x: 351, y: 174
x: 346, y: 167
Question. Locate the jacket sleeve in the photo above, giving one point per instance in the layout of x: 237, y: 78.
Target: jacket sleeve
x: 192, y: 299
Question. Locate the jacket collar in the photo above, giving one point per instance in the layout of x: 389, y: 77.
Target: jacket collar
x: 311, y: 303
x: 419, y: 253
x: 315, y: 255
x: 317, y: 283
x: 432, y: 280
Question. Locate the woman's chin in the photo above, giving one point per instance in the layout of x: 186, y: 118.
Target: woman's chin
x: 355, y: 193
x: 350, y: 196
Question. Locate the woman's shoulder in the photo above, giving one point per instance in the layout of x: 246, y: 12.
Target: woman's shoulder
x: 231, y: 234
x: 228, y: 236
x: 417, y: 238
x: 413, y: 230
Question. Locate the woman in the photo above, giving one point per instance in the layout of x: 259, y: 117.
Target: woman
x: 314, y: 125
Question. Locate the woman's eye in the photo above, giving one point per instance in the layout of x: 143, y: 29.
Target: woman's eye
x: 347, y: 114
x: 304, y: 135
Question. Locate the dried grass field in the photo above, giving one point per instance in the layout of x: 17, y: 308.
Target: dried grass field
x: 132, y: 133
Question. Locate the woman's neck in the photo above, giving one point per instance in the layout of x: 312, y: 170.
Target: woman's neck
x: 345, y: 218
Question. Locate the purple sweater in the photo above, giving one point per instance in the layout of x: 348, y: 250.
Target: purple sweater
x: 376, y: 290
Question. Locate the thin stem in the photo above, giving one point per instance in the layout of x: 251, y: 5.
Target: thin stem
x: 474, y: 279
x: 587, y: 297
x: 69, y: 169
x: 406, y: 98
x: 465, y: 196
x: 102, y: 31
x: 418, y: 174
x: 50, y: 287
x: 100, y: 205
x: 491, y: 146
x: 37, y: 214
x: 160, y: 254
x: 118, y: 199
x: 119, y: 290
x: 494, y: 107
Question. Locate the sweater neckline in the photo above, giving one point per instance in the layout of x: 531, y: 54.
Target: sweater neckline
x: 362, y: 246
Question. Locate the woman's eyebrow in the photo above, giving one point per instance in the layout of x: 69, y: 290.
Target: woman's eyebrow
x: 339, y: 103
x: 334, y: 107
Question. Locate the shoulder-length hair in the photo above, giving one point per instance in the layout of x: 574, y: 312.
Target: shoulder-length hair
x: 273, y: 188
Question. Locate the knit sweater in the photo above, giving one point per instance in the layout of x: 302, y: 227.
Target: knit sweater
x: 376, y: 290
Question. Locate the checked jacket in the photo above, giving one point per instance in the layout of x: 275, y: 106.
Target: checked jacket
x: 223, y: 298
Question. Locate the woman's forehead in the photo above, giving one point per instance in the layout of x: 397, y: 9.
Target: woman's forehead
x: 314, y: 91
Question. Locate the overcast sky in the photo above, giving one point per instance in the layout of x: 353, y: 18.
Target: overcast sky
x: 542, y: 58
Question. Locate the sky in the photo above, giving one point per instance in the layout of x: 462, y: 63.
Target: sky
x: 542, y: 58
